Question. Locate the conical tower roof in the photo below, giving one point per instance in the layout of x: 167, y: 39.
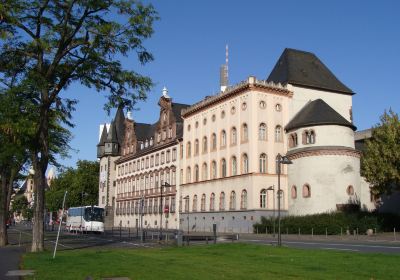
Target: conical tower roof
x: 103, y: 137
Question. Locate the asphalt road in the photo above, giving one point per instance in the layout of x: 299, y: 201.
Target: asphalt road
x: 389, y: 247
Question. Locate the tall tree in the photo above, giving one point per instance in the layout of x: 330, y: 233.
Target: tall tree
x: 63, y: 41
x: 82, y: 184
x: 381, y: 157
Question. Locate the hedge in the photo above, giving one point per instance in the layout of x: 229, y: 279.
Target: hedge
x: 332, y: 223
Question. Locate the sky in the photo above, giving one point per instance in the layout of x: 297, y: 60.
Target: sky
x: 359, y: 41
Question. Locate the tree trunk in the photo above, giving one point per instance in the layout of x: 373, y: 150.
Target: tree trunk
x: 39, y: 181
x: 3, y: 212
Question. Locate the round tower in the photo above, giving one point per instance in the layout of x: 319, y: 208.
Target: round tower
x: 325, y: 174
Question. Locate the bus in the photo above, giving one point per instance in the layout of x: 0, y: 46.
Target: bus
x: 85, y: 218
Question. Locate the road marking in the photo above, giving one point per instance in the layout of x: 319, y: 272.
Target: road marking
x: 341, y: 249
x: 20, y: 273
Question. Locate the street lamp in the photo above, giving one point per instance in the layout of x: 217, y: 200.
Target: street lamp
x: 187, y: 203
x: 273, y: 215
x: 161, y: 206
x: 280, y: 160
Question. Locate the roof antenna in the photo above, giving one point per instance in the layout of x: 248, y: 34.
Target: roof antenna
x: 223, y: 78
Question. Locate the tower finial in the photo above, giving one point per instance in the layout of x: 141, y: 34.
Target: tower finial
x: 165, y: 93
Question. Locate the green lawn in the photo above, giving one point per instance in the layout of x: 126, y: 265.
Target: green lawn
x: 221, y: 261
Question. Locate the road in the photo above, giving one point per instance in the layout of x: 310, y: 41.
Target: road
x: 362, y: 246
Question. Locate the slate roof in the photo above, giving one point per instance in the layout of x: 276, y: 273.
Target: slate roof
x: 305, y: 69
x: 144, y: 131
x: 103, y: 137
x: 177, y: 108
x: 315, y: 113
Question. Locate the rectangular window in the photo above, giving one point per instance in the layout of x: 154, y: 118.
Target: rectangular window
x: 168, y: 156
x: 174, y: 154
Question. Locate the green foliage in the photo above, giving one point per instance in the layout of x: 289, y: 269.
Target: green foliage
x: 20, y: 205
x: 380, y: 163
x: 84, y: 179
x: 333, y: 223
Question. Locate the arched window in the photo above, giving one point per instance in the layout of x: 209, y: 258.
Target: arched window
x: 263, y: 163
x: 306, y: 191
x: 245, y: 133
x: 263, y: 198
x: 311, y: 137
x: 188, y: 149
x: 187, y: 200
x: 233, y: 166
x: 243, y: 200
x: 196, y: 173
x: 233, y: 136
x: 223, y: 168
x: 245, y: 164
x: 294, y: 192
x: 196, y: 147
x: 350, y: 190
x: 204, y: 175
x: 194, y: 206
x: 188, y: 175
x: 213, y: 142
x: 222, y: 201
x: 213, y: 170
x: 278, y: 133
x: 223, y: 138
x: 212, y: 202
x: 180, y: 204
x: 262, y: 132
x: 204, y: 144
x: 203, y: 202
x: 232, y: 201
x: 293, y: 140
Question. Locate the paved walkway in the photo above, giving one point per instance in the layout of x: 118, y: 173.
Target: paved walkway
x: 9, y: 260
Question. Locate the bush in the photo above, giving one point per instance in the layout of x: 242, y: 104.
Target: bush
x: 332, y: 223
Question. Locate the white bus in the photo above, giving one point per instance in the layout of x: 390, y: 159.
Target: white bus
x: 85, y: 218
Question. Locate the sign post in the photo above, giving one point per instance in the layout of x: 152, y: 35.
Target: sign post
x: 59, y: 225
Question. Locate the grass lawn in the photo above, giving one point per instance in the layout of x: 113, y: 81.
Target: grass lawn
x: 221, y: 261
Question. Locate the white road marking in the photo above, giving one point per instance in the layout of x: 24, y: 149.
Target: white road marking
x: 341, y: 249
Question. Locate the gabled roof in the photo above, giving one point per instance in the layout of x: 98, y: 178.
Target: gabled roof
x: 305, y: 69
x: 176, y: 110
x: 316, y: 113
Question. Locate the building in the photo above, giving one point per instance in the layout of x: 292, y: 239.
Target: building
x: 228, y: 144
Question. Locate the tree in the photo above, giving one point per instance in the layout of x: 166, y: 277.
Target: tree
x: 19, y: 204
x: 381, y: 158
x: 60, y: 42
x: 82, y: 180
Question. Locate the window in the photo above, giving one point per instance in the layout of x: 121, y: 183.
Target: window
x: 204, y: 144
x: 168, y: 156
x: 233, y: 136
x: 245, y: 164
x: 157, y: 159
x: 293, y: 140
x: 203, y: 202
x: 223, y: 138
x: 245, y: 133
x: 194, y: 206
x: 222, y: 114
x: 263, y: 198
x: 293, y: 192
x: 278, y: 107
x: 243, y: 200
x: 204, y: 121
x: 212, y: 202
x: 244, y: 106
x: 213, y: 170
x: 232, y: 201
x: 180, y: 204
x: 181, y: 150
x: 263, y: 163
x: 222, y: 201
x: 262, y: 132
x: 233, y: 110
x: 350, y: 190
x: 213, y: 142
x: 233, y: 166
x: 174, y: 154
x: 263, y: 104
x: 150, y: 206
x: 152, y: 161
x: 188, y: 176
x: 173, y: 204
x: 188, y: 127
x: 196, y: 147
x: 309, y: 137
x: 306, y: 191
x: 162, y: 157
x: 188, y: 149
x: 155, y: 207
x: 223, y: 168
x: 278, y: 133
x: 196, y: 173
x: 170, y: 132
x: 187, y: 204
x: 213, y: 118
x: 204, y: 175
x: 173, y: 177
x: 196, y: 125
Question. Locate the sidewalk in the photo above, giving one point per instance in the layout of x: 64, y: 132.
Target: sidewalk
x: 10, y: 257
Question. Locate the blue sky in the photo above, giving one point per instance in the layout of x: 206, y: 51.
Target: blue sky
x: 358, y: 40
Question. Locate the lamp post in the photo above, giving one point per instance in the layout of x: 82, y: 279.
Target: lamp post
x: 161, y: 207
x: 280, y: 160
x: 187, y: 203
x: 273, y: 210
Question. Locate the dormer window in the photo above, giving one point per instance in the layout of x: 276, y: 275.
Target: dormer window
x: 170, y: 132
x: 164, y: 116
x: 159, y: 137
x: 151, y: 141
x: 146, y: 144
x: 141, y: 146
